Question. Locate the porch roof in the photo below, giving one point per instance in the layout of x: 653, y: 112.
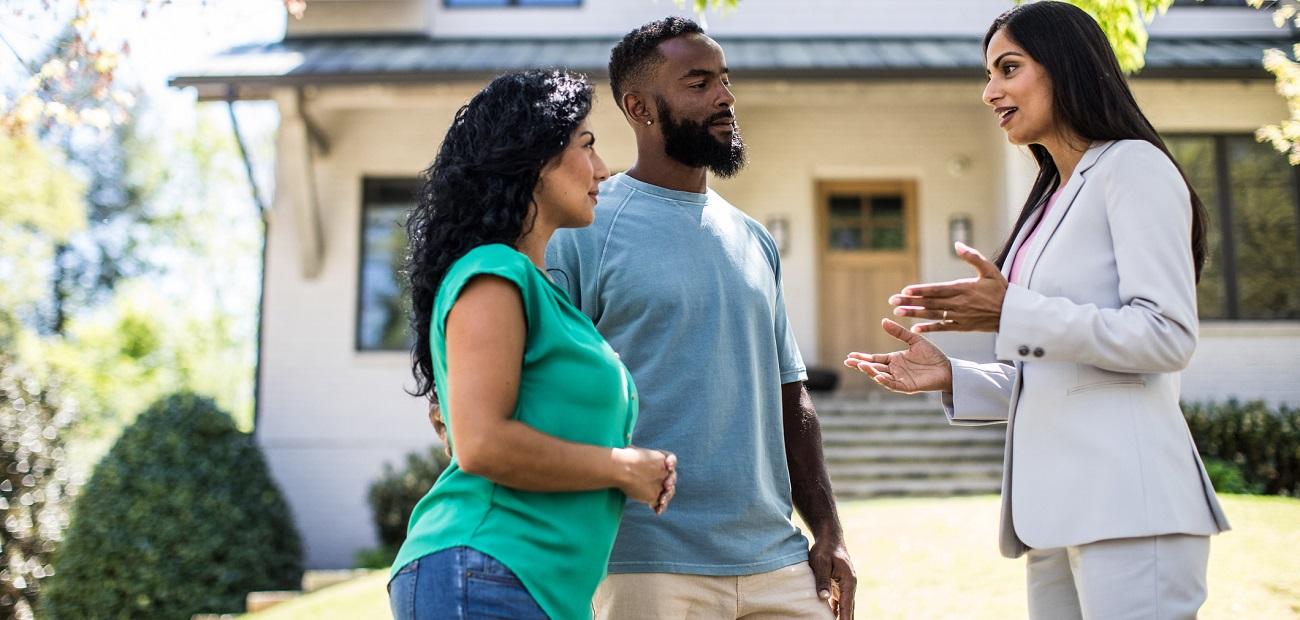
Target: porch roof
x: 413, y: 59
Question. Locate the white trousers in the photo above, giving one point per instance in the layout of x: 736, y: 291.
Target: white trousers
x: 1152, y: 578
x: 788, y: 593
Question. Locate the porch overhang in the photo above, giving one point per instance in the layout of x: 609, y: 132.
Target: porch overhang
x: 254, y: 71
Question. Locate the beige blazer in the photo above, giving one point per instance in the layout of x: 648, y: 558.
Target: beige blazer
x: 1094, y: 339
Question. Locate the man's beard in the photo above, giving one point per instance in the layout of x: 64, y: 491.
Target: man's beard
x: 692, y: 144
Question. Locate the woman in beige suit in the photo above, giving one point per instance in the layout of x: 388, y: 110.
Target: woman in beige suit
x: 1093, y: 299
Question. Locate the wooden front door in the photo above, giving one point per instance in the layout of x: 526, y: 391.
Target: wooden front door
x: 868, y: 252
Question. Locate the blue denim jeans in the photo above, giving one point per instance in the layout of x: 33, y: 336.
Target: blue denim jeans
x: 462, y: 584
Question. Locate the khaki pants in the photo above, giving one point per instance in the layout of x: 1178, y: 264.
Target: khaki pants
x: 1152, y: 578
x: 785, y: 593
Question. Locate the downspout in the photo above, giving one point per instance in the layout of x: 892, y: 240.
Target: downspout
x: 260, y: 205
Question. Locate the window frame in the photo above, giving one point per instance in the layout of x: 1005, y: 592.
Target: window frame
x: 372, y: 193
x: 1219, y: 215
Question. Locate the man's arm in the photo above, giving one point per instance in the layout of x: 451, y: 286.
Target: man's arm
x: 810, y: 488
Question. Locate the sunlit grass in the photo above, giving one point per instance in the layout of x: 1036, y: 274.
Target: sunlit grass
x: 938, y: 559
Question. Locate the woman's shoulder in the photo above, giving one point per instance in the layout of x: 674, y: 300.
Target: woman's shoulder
x: 490, y: 255
x: 1125, y: 153
x: 492, y: 259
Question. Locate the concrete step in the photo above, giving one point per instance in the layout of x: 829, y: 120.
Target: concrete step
x: 920, y: 407
x: 912, y: 453
x: 918, y: 487
x: 931, y: 419
x: 914, y: 436
x: 849, y: 472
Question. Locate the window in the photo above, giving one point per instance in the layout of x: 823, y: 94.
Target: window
x: 1252, y: 197
x: 382, y: 301
x: 866, y: 222
x: 481, y: 3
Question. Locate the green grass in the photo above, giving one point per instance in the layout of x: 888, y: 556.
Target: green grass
x: 938, y: 558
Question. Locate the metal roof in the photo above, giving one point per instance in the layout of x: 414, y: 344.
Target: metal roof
x: 389, y: 59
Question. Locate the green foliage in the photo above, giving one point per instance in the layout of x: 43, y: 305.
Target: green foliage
x: 40, y: 207
x: 1226, y: 477
x: 181, y: 517
x: 701, y: 5
x: 394, y: 495
x: 376, y: 558
x: 1263, y: 443
x: 36, y: 487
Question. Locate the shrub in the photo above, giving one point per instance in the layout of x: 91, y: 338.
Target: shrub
x: 394, y: 495
x: 1227, y: 478
x: 180, y: 517
x: 36, y: 486
x: 1262, y: 442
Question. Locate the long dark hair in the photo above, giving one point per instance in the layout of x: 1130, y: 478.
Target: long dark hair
x: 1089, y: 95
x: 479, y: 189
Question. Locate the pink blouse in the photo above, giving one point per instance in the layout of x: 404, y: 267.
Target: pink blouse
x: 1023, y: 250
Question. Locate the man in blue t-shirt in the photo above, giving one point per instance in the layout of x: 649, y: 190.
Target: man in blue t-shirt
x: 687, y: 289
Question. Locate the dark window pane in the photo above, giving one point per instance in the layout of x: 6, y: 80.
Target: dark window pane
x: 1196, y: 156
x: 886, y: 206
x: 846, y: 238
x: 1264, y: 230
x: 846, y: 206
x: 887, y: 238
x: 382, y: 324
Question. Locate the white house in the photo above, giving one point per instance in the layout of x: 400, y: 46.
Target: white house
x: 870, y: 153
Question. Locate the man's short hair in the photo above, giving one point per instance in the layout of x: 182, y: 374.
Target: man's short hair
x: 638, y: 53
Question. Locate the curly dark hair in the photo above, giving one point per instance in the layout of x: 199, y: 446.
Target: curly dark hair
x: 479, y: 189
x: 638, y: 52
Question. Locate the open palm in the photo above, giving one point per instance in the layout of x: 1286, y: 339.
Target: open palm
x: 921, y: 367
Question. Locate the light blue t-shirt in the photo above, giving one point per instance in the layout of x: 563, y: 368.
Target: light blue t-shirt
x: 687, y: 289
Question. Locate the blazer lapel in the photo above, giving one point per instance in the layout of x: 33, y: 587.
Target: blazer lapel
x: 1049, y: 225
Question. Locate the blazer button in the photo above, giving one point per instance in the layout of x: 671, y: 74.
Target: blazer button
x: 1023, y: 350
x: 1038, y: 352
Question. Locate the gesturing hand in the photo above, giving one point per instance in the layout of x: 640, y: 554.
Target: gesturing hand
x: 922, y: 367
x: 966, y: 305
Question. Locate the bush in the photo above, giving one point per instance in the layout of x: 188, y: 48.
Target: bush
x: 394, y: 495
x: 180, y: 517
x: 36, y: 486
x: 1227, y: 478
x: 1263, y: 443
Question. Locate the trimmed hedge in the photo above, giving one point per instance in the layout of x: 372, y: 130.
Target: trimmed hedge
x: 181, y: 517
x: 1263, y: 443
x: 394, y: 495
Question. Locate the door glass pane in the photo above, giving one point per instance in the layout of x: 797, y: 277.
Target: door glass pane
x: 888, y: 238
x: 846, y: 223
x: 1196, y: 156
x: 846, y: 238
x: 866, y: 222
x: 846, y: 206
x: 887, y: 207
x: 1265, y: 231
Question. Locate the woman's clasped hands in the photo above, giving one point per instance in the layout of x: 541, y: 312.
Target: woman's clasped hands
x: 647, y: 476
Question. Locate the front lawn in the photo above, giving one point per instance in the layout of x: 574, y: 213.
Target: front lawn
x: 937, y: 558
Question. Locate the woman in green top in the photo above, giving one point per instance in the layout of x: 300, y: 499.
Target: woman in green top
x: 538, y: 408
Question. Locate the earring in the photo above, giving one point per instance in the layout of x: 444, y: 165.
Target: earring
x: 649, y: 122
